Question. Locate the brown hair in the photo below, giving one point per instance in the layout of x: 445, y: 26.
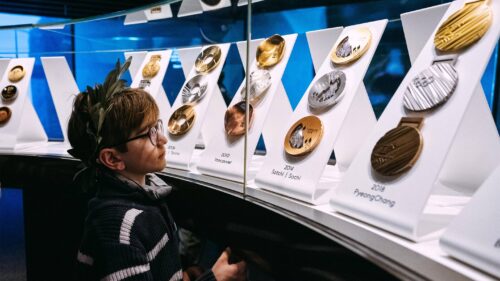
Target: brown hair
x: 129, y: 109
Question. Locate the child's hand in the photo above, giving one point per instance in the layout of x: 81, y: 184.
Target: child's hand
x: 224, y: 271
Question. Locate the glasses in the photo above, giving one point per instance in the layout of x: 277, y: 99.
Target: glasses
x: 153, y: 133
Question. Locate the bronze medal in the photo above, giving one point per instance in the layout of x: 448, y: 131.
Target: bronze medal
x: 152, y: 67
x: 464, y: 27
x: 234, y: 119
x: 9, y: 93
x: 270, y: 51
x: 16, y: 73
x: 303, y: 136
x: 208, y: 59
x: 181, y: 120
x: 351, y: 47
x: 5, y: 114
x: 398, y: 150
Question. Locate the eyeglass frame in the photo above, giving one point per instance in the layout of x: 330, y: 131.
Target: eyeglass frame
x: 159, y: 124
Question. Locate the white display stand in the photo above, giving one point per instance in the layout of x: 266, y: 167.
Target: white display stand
x: 24, y: 128
x: 4, y: 63
x: 63, y: 89
x: 345, y: 126
x: 245, y: 2
x: 320, y: 44
x: 135, y: 64
x: 474, y: 235
x: 461, y: 147
x: 155, y: 89
x: 208, y: 110
x: 195, y: 7
x: 155, y: 13
x: 224, y: 156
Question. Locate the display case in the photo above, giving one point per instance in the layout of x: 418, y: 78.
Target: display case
x: 357, y: 121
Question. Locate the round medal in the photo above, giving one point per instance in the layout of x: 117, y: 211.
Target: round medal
x: 16, y: 73
x: 303, y: 136
x: 5, y: 114
x: 260, y: 81
x: 327, y: 90
x: 208, y: 59
x: 464, y: 27
x: 270, y: 51
x: 9, y: 93
x: 351, y: 47
x: 195, y: 89
x: 234, y: 119
x: 181, y: 120
x: 152, y: 67
x: 431, y: 87
x: 398, y: 150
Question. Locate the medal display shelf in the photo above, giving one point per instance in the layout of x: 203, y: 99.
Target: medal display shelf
x: 155, y: 13
x: 457, y: 155
x: 346, y: 124
x: 22, y: 129
x: 224, y: 154
x: 210, y: 108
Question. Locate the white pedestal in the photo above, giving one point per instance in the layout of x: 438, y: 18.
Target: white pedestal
x: 345, y: 126
x: 457, y: 152
x: 224, y: 156
x: 474, y: 236
x: 208, y: 111
x: 24, y: 128
x: 155, y: 88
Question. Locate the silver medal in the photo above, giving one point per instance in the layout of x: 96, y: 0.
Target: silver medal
x: 195, y: 89
x: 433, y: 86
x: 260, y: 81
x: 327, y: 90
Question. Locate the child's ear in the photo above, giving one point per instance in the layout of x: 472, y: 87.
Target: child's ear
x: 112, y: 159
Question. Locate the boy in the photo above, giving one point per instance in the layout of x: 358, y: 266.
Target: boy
x: 129, y: 232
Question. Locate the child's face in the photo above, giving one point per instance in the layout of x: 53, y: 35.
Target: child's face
x: 142, y: 156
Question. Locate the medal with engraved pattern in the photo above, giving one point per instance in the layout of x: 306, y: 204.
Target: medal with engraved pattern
x: 433, y: 86
x: 398, y: 150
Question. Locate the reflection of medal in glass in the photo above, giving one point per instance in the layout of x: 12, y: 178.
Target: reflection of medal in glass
x: 195, y: 89
x: 352, y: 47
x: 398, y: 150
x: 181, y: 120
x: 234, y: 119
x: 152, y: 67
x: 464, y: 27
x: 208, y: 59
x: 433, y: 86
x: 270, y: 51
x: 5, y: 114
x: 303, y: 136
x: 260, y: 81
x: 9, y: 93
x: 211, y: 2
x: 16, y: 73
x: 327, y: 90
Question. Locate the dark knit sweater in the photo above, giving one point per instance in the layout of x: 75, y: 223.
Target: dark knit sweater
x: 129, y: 233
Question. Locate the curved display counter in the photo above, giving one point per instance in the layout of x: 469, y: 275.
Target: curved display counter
x: 284, y: 240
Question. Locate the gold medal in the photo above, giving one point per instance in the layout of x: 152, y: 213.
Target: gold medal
x: 181, y: 120
x: 303, y: 136
x: 464, y: 27
x: 152, y: 67
x: 270, y: 51
x: 234, y: 119
x: 5, y: 114
x: 208, y: 59
x: 9, y: 93
x: 16, y: 74
x: 398, y: 150
x: 352, y: 47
